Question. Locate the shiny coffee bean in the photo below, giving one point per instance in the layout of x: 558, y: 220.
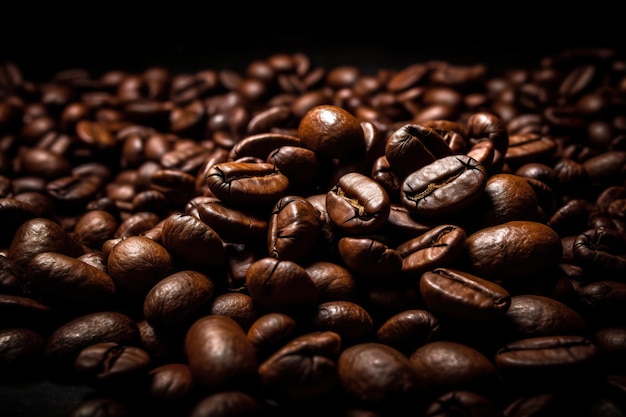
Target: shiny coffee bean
x: 247, y: 183
x: 284, y: 376
x: 219, y: 353
x: 270, y: 332
x: 408, y: 330
x: 357, y: 204
x: 463, y: 296
x: 513, y: 250
x: 293, y: 229
x: 113, y: 364
x: 444, y: 187
x: 370, y: 259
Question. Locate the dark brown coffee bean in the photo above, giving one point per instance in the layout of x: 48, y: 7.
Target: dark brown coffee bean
x: 137, y: 263
x: 270, y: 332
x: 507, y: 197
x: 279, y: 285
x: 21, y: 352
x: 304, y: 168
x: 393, y: 382
x: 219, y: 353
x: 191, y: 241
x: 414, y: 146
x: 529, y: 148
x: 239, y: 306
x: 68, y: 340
x: 246, y: 183
x: 370, y: 259
x: 171, y: 382
x: 462, y: 296
x: 113, y: 365
x: 333, y: 281
x: 332, y: 131
x: 602, y: 251
x: 409, y: 330
x: 444, y: 365
x: 547, y: 360
x: 293, y: 229
x: 532, y: 315
x: 100, y: 406
x: 357, y: 204
x: 65, y: 281
x: 441, y: 246
x: 513, y: 250
x: 261, y: 145
x: 228, y: 403
x: 348, y: 319
x: 284, y: 376
x: 178, y: 299
x: 443, y: 187
x: 95, y: 227
x: 469, y: 403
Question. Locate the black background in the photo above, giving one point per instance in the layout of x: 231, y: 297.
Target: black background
x: 186, y: 36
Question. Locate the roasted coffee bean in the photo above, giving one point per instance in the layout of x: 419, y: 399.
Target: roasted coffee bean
x: 305, y: 368
x: 414, y: 146
x: 261, y: 145
x: 293, y: 229
x: 513, y: 250
x: 178, y: 299
x: 333, y: 281
x: 370, y: 259
x: 68, y: 340
x: 231, y: 222
x: 453, y: 293
x: 391, y: 383
x: 532, y: 315
x: 95, y: 227
x: 601, y: 251
x: 62, y: 281
x: 444, y: 365
x: 220, y: 354
x: 348, y: 319
x: 409, y: 330
x: 171, y: 382
x: 441, y: 246
x: 228, y: 403
x: 462, y: 402
x: 444, y: 187
x: 112, y: 364
x: 136, y: 263
x: 238, y: 306
x: 247, y: 183
x: 21, y: 352
x: 280, y: 285
x: 357, y: 204
x: 191, y: 241
x: 332, y: 131
x: 270, y: 332
x: 547, y: 360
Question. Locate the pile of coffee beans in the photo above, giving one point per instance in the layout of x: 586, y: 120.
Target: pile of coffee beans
x: 292, y: 239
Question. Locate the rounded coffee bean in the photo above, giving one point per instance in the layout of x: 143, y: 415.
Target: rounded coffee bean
x: 370, y: 258
x: 178, y: 299
x: 332, y: 131
x: 392, y: 382
x: 293, y: 229
x: 170, y: 382
x: 333, y: 281
x: 21, y: 352
x: 357, y: 204
x: 65, y: 281
x: 350, y: 320
x: 270, y: 332
x: 441, y: 246
x: 66, y: 342
x: 112, y: 364
x: 284, y: 376
x: 444, y: 365
x: 219, y: 353
x: 408, y: 330
x: 443, y: 187
x: 280, y: 285
x: 463, y: 296
x: 513, y: 250
x: 228, y: 403
x: 247, y: 183
x: 137, y: 263
x: 191, y: 241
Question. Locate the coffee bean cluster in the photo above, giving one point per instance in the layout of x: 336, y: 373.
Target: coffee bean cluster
x: 436, y: 240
